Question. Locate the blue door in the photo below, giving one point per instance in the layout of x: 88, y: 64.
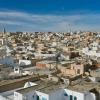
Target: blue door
x: 44, y: 98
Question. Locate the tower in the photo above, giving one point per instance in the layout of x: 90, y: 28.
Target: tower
x: 5, y: 41
x: 4, y: 32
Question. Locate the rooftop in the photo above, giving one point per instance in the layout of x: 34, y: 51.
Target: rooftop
x: 49, y: 86
x: 10, y: 85
x: 42, y: 86
x: 84, y: 86
x: 47, y: 62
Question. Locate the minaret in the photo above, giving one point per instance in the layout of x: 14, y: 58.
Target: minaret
x: 4, y: 31
x: 5, y: 39
x: 4, y: 36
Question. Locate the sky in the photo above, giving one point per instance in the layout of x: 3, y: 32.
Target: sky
x: 50, y: 15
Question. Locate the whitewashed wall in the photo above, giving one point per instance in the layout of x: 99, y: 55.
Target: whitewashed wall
x: 57, y: 95
x: 90, y: 96
x: 79, y: 95
x: 40, y: 94
x: 24, y: 62
x: 18, y: 96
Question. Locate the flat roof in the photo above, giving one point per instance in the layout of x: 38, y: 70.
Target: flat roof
x: 10, y: 84
x: 84, y: 86
x: 47, y: 62
x: 10, y: 97
x: 52, y: 88
x: 42, y: 86
x: 49, y: 86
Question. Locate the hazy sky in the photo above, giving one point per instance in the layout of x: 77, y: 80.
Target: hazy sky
x: 50, y: 15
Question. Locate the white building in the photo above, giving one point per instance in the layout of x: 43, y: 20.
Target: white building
x: 24, y: 62
x: 92, y: 52
x: 47, y: 91
x: 52, y: 91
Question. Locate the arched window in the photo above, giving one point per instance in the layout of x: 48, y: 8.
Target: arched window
x: 65, y: 94
x: 71, y: 97
x: 38, y: 97
x: 75, y: 98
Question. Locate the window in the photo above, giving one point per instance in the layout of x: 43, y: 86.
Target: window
x: 16, y: 69
x: 71, y: 97
x: 78, y: 71
x: 33, y: 97
x: 43, y: 98
x: 75, y: 98
x: 65, y: 94
x: 38, y: 97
